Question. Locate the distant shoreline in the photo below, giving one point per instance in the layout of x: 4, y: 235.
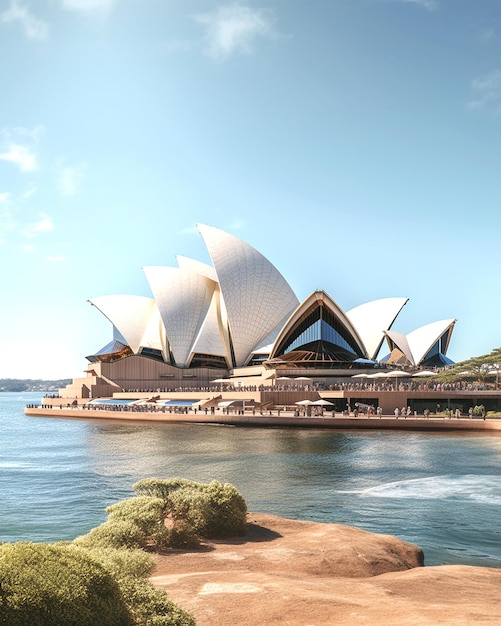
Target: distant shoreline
x: 37, y: 385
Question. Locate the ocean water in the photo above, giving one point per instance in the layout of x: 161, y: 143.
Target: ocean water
x: 441, y: 492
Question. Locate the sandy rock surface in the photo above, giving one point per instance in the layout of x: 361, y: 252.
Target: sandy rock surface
x: 311, y: 574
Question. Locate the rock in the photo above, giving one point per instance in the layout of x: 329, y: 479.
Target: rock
x: 306, y: 573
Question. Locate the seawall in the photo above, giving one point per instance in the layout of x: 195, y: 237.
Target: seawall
x: 384, y: 422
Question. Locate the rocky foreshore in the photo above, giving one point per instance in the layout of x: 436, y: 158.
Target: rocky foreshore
x: 307, y: 573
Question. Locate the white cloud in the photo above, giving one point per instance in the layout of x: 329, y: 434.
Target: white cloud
x: 43, y: 225
x: 430, y: 5
x: 21, y: 156
x: 19, y: 147
x: 99, y: 8
x: 234, y: 28
x: 33, y: 27
x: 70, y: 179
x: 486, y: 92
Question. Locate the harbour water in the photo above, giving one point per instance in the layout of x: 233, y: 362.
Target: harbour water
x: 441, y: 492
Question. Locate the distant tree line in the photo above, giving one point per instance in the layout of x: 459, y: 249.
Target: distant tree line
x: 32, y: 384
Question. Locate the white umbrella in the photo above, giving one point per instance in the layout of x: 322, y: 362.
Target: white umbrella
x: 396, y: 374
x: 221, y: 380
x: 284, y: 378
x: 378, y: 375
x: 302, y: 378
x: 425, y: 373
x: 361, y: 376
x: 322, y: 402
x: 304, y: 402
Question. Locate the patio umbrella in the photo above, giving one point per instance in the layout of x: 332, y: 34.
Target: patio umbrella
x: 304, y: 402
x: 397, y: 374
x: 425, y: 373
x: 322, y: 402
x: 362, y: 376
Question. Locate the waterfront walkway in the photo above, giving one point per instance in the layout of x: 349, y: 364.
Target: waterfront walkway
x: 272, y: 419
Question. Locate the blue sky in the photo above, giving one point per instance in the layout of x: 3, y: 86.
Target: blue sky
x: 355, y: 143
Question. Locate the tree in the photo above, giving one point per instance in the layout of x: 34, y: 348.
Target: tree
x: 479, y: 368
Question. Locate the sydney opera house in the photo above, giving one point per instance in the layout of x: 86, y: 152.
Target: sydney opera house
x: 239, y: 320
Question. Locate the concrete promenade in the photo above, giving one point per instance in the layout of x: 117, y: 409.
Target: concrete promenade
x: 284, y: 419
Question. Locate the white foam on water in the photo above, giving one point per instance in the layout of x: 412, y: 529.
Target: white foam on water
x: 12, y: 464
x: 481, y: 489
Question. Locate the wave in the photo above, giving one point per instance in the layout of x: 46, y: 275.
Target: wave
x: 478, y: 488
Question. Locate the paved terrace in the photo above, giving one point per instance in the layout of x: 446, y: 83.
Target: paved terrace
x: 270, y: 418
x: 386, y: 395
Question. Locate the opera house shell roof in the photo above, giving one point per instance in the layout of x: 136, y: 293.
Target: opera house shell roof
x: 241, y: 311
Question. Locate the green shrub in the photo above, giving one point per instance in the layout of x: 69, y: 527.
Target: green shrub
x: 125, y: 563
x: 147, y: 513
x: 159, y: 488
x: 151, y: 606
x: 183, y: 535
x: 118, y: 534
x: 213, y: 510
x: 45, y: 585
x: 147, y: 605
x: 134, y: 523
x: 228, y: 511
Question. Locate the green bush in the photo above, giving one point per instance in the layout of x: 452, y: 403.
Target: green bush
x: 125, y: 563
x: 118, y: 534
x: 183, y: 535
x: 45, y: 585
x: 228, y: 511
x: 147, y: 513
x: 147, y: 605
x: 134, y: 523
x: 151, y: 606
x: 159, y: 488
x: 213, y: 510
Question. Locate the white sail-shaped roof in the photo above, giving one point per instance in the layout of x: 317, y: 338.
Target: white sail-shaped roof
x: 400, y: 340
x: 183, y: 298
x: 256, y: 295
x: 210, y: 338
x: 154, y: 334
x: 185, y: 263
x: 423, y: 339
x: 372, y: 319
x: 130, y: 315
